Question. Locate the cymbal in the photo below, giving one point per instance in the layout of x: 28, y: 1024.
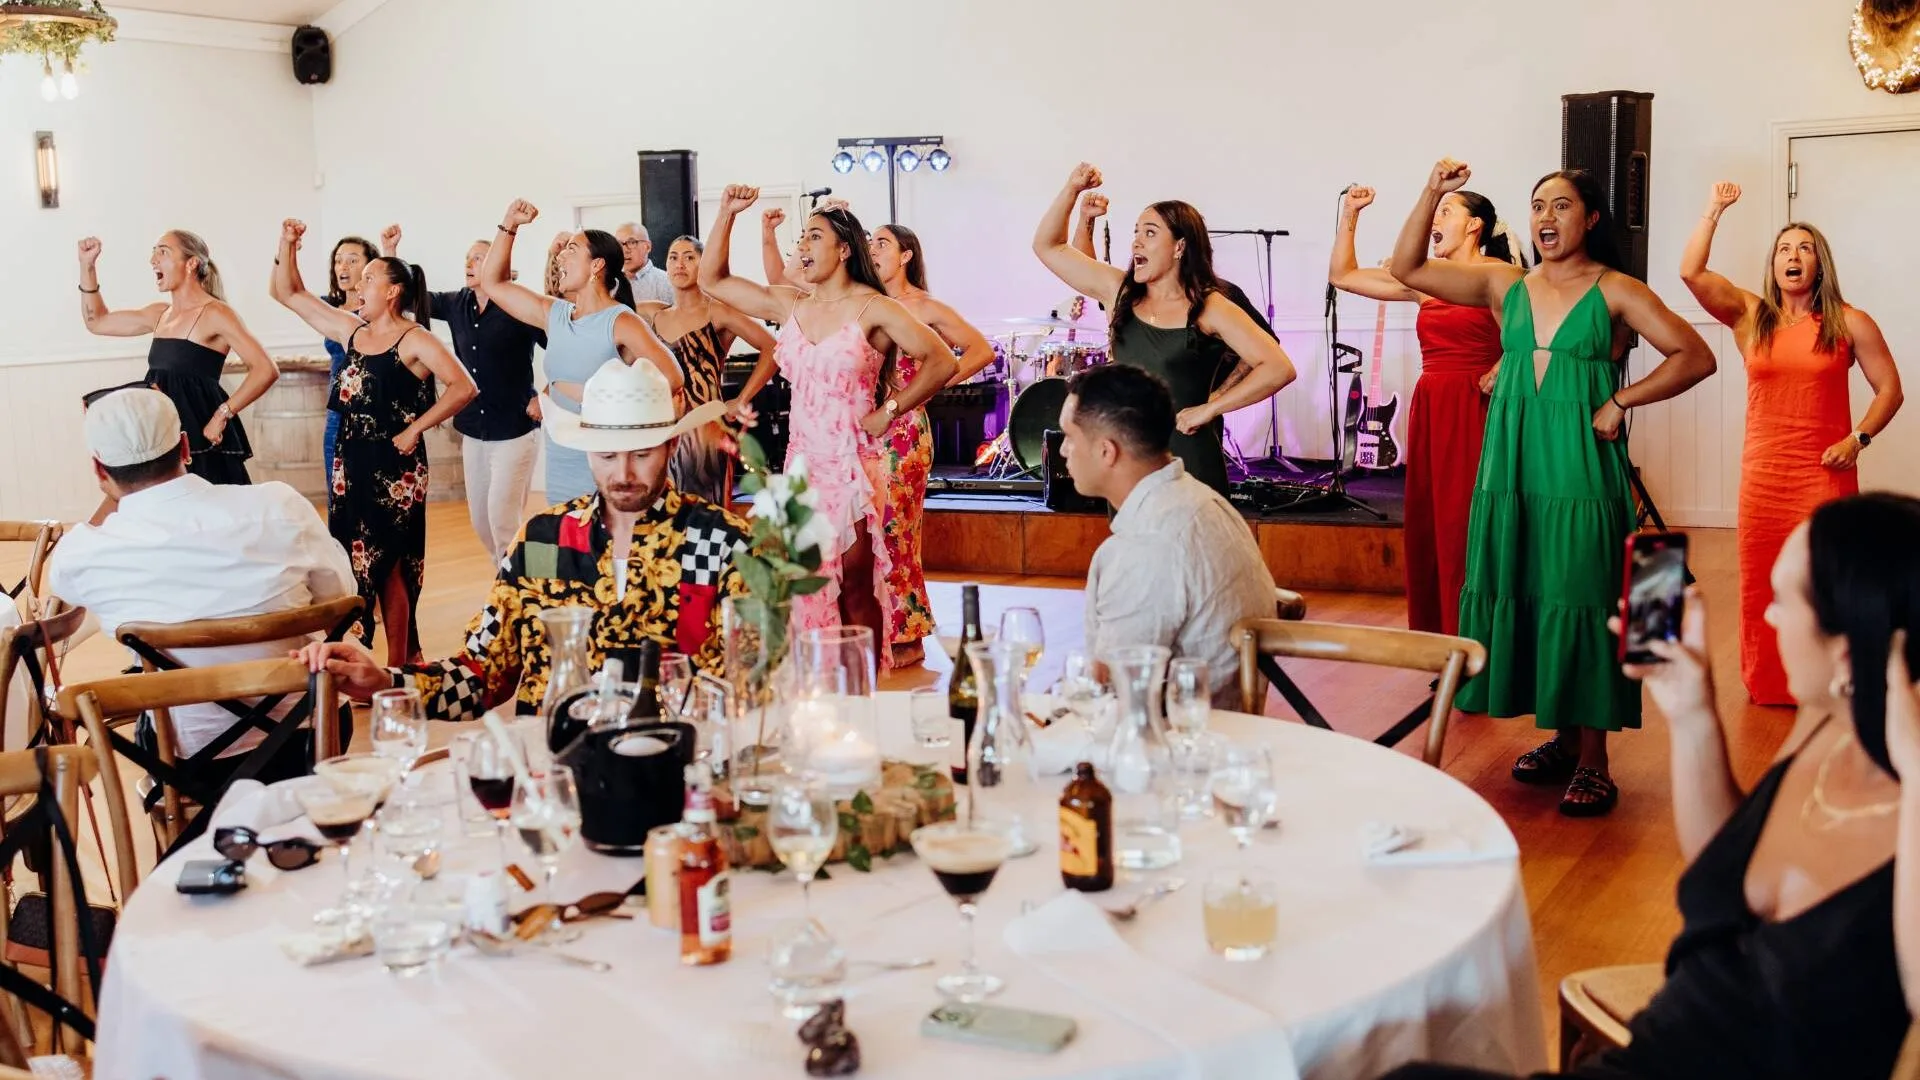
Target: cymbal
x: 1054, y: 323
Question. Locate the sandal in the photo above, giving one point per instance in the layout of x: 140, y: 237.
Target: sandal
x: 1589, y: 794
x: 1552, y: 762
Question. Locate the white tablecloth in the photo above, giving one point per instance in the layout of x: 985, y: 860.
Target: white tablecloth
x: 1375, y: 965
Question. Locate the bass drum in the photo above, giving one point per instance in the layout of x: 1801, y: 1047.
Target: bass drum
x: 1034, y: 412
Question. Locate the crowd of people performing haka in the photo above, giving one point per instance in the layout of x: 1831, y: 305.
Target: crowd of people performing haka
x: 1518, y: 497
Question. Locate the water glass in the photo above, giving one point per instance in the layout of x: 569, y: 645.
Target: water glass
x: 676, y: 685
x: 410, y: 935
x: 932, y: 723
x: 1193, y: 755
x: 1241, y: 915
x: 409, y: 830
x: 546, y: 812
x: 1085, y: 695
x: 398, y: 724
x: 1189, y: 694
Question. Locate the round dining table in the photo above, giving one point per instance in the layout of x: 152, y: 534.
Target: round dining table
x: 1425, y: 954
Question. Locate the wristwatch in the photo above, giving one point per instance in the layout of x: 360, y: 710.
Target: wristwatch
x: 1865, y: 440
x: 892, y: 407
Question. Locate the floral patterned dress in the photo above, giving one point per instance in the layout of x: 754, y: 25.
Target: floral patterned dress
x: 377, y: 496
x: 907, y: 450
x: 834, y: 383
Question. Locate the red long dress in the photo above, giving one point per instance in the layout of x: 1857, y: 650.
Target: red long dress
x: 1796, y: 407
x: 1445, y: 423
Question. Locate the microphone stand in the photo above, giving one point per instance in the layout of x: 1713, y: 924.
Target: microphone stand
x: 1266, y: 287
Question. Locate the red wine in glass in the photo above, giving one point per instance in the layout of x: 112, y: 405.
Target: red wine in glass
x: 495, y: 794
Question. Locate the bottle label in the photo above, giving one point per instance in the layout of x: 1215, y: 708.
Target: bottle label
x: 715, y: 915
x: 1079, y: 844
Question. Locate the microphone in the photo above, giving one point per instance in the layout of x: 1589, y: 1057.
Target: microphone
x: 816, y: 193
x: 1349, y: 187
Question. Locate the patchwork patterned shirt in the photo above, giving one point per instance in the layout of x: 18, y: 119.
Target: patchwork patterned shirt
x: 678, y: 570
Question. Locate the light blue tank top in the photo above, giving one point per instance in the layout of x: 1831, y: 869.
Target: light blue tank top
x: 576, y: 348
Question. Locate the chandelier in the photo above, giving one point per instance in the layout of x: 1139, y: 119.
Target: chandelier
x: 54, y: 30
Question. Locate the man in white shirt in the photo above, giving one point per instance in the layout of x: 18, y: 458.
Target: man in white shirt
x: 1182, y: 566
x: 178, y: 548
x: 649, y: 281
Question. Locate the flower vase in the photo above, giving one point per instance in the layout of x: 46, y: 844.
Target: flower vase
x: 758, y: 676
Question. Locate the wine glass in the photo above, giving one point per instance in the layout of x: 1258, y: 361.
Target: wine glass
x: 1243, y: 791
x: 490, y: 773
x: 399, y: 726
x: 546, y: 811
x: 802, y: 825
x: 1081, y: 688
x: 964, y: 858
x: 1189, y: 695
x: 1021, y: 626
x: 338, y: 813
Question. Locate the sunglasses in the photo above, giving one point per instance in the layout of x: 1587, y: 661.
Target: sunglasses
x: 237, y: 842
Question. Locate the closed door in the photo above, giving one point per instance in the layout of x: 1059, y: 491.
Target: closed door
x: 1858, y: 190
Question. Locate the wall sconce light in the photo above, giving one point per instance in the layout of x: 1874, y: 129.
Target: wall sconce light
x: 47, y: 159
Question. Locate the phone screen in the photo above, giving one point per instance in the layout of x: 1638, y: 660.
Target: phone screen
x: 1656, y: 592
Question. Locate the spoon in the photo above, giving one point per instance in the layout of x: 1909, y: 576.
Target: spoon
x: 499, y: 946
x: 1161, y: 889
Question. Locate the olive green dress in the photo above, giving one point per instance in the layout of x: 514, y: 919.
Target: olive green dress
x: 1552, y: 509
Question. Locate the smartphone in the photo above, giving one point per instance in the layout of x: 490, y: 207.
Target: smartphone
x: 994, y: 1025
x: 1654, y: 595
x: 215, y: 876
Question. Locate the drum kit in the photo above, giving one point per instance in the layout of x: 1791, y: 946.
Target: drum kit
x: 1034, y: 369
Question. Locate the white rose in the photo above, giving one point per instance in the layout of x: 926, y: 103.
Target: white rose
x: 798, y: 466
x: 768, y: 508
x: 817, y: 532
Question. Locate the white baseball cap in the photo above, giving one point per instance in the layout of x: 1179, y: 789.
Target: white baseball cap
x: 128, y: 427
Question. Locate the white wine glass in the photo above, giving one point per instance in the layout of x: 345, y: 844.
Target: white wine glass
x: 1021, y: 626
x: 802, y: 824
x: 398, y: 722
x: 546, y: 812
x: 1243, y: 790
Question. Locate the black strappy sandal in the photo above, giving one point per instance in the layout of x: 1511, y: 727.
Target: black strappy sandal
x: 1552, y: 762
x: 1589, y: 794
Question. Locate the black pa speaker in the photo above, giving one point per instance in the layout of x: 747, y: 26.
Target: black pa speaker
x: 312, y: 55
x: 669, y: 198
x: 1057, y: 489
x: 1610, y: 134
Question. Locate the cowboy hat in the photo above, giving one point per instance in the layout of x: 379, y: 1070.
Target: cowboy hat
x: 623, y: 407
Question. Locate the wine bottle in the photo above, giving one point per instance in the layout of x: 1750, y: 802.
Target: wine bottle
x: 1086, y: 832
x: 963, y: 691
x: 644, y: 662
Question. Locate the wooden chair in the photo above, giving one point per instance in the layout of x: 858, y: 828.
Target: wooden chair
x: 107, y: 704
x: 42, y: 535
x: 1289, y: 605
x: 27, y: 650
x: 1451, y: 658
x: 72, y: 768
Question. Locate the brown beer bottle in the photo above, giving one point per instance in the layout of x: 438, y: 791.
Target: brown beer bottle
x: 1086, y: 832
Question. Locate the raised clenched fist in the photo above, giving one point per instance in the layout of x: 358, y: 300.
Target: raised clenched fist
x: 1084, y: 177
x: 520, y: 212
x: 89, y: 252
x: 738, y: 197
x: 1448, y: 176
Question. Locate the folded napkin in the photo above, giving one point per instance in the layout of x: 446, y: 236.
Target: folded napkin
x: 309, y: 948
x: 273, y: 811
x: 1074, y: 942
x: 1058, y: 748
x: 1386, y: 844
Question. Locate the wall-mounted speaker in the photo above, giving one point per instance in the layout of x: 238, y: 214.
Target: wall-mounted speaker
x: 312, y: 55
x: 1610, y: 134
x: 669, y: 198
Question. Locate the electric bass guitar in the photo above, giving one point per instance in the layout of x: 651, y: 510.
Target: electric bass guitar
x: 1377, y: 450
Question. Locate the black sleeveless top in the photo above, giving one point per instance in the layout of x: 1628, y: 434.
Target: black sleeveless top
x: 1817, y: 995
x: 189, y: 373
x: 1193, y: 365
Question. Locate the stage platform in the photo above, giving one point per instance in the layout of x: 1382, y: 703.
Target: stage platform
x: 1312, y: 547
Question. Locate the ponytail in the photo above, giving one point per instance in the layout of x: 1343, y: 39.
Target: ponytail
x: 1501, y: 245
x: 210, y: 281
x: 414, y: 301
x: 622, y: 289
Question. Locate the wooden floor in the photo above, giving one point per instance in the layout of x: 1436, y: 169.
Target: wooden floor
x: 1601, y: 892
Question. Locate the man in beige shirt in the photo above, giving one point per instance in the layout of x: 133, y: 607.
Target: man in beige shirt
x: 1181, y: 567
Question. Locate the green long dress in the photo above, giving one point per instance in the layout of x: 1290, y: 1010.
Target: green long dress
x: 1552, y: 509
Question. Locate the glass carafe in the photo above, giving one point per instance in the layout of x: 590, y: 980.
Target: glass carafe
x: 569, y: 632
x: 1001, y: 778
x: 1139, y: 767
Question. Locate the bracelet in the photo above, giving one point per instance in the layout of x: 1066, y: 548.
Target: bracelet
x: 226, y: 410
x: 509, y: 232
x: 1615, y: 398
x: 95, y: 291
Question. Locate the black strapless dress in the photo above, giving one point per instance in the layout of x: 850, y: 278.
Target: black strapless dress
x: 189, y: 373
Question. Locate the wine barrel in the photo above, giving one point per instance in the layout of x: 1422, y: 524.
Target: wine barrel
x: 288, y: 424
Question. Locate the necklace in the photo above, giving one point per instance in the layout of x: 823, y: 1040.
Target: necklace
x: 817, y: 298
x: 1796, y: 320
x: 1837, y: 816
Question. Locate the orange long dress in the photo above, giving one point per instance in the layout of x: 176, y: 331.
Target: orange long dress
x: 1796, y: 407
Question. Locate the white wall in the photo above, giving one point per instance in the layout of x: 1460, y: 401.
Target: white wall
x: 1257, y: 113
x: 219, y: 141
